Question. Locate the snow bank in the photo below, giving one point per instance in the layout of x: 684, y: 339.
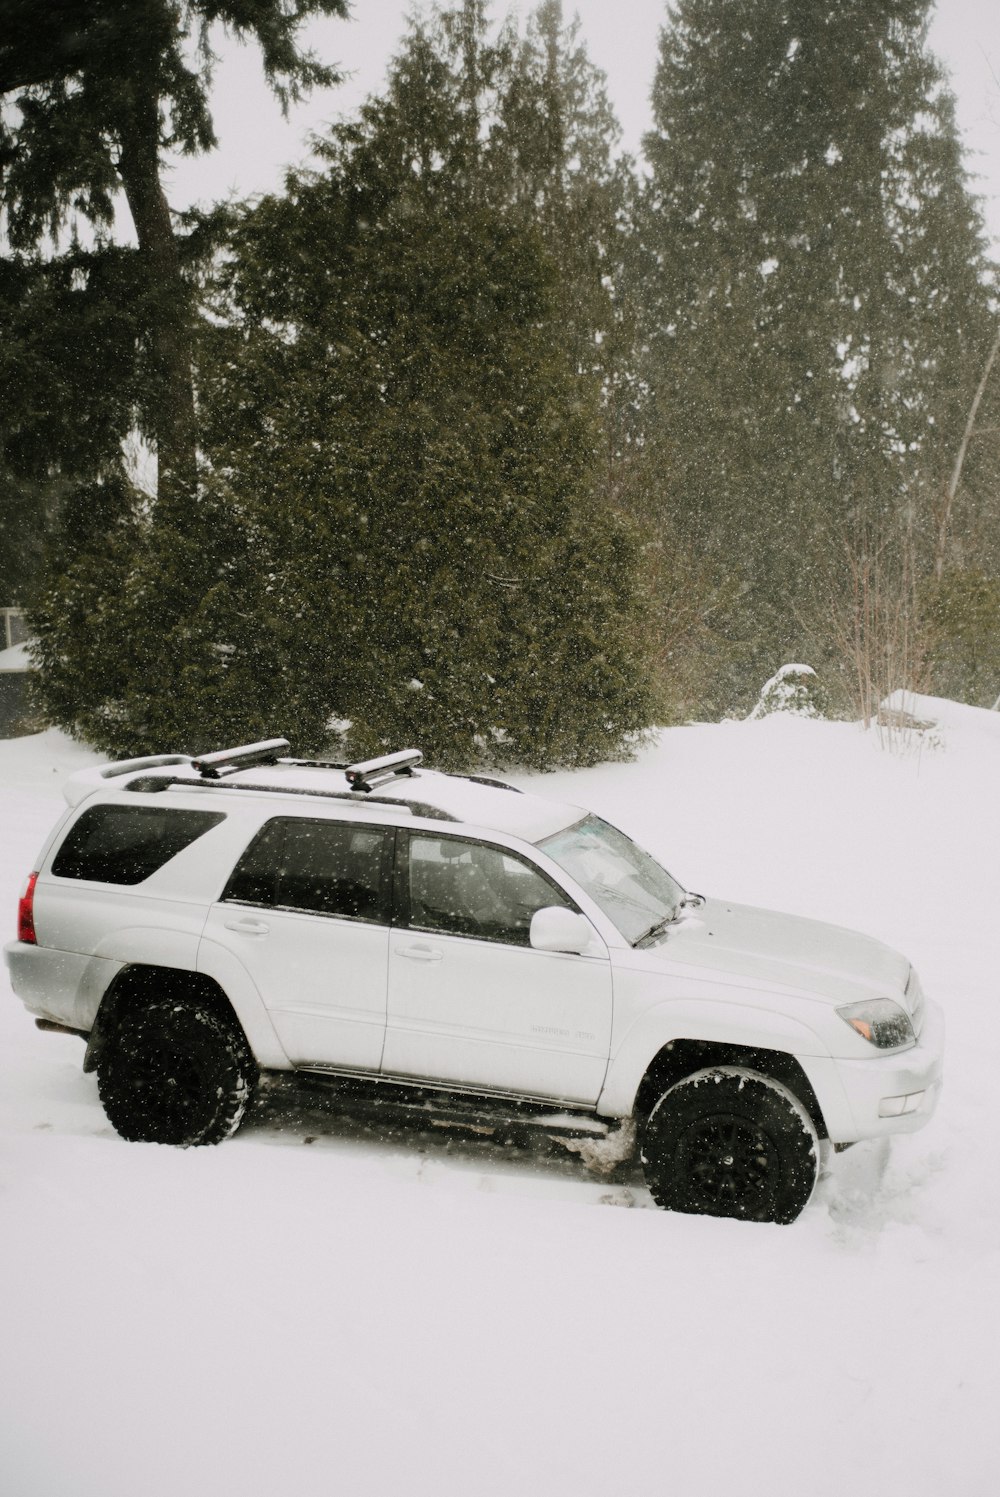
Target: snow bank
x: 42, y: 761
x: 940, y: 713
x: 316, y: 1307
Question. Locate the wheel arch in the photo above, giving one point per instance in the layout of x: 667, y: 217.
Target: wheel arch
x: 138, y: 984
x: 682, y: 1057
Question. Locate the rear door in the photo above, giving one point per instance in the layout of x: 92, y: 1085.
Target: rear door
x: 306, y: 912
x: 470, y: 1002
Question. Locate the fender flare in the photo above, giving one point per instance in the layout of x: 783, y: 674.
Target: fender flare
x: 239, y: 996
x: 734, y: 1025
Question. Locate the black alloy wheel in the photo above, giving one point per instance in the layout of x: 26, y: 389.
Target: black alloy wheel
x: 175, y: 1071
x: 730, y: 1142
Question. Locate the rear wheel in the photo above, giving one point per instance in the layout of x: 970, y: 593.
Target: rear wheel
x: 730, y: 1142
x: 175, y: 1071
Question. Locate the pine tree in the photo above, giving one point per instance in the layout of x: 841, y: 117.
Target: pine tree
x: 813, y: 276
x: 102, y: 90
x: 415, y: 456
x: 400, y: 524
x: 554, y: 153
x: 72, y: 372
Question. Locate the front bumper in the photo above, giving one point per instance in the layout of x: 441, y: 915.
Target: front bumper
x: 885, y: 1094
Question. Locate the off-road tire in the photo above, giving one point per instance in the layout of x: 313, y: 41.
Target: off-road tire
x: 730, y: 1142
x: 175, y: 1071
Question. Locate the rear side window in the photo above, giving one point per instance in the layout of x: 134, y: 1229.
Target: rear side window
x: 126, y: 844
x: 324, y: 867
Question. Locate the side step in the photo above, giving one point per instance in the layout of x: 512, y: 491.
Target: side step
x: 601, y: 1143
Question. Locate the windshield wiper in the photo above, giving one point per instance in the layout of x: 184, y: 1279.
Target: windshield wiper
x: 656, y: 929
x: 690, y: 901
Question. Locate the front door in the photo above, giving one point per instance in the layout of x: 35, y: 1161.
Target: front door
x: 470, y: 1002
x: 306, y: 913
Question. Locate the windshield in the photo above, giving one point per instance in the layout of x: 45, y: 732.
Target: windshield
x: 635, y: 893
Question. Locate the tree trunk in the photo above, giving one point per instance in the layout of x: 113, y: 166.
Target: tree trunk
x: 948, y: 502
x: 169, y: 305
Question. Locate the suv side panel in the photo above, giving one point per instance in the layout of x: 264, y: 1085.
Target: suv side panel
x: 140, y: 927
x: 89, y: 929
x: 470, y: 1001
x: 219, y: 963
x: 305, y: 919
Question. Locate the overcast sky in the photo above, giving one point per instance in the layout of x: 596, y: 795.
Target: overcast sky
x: 621, y: 35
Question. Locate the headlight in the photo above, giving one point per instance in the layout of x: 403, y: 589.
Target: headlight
x: 881, y: 1022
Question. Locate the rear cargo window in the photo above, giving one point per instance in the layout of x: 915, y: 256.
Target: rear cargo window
x: 126, y: 844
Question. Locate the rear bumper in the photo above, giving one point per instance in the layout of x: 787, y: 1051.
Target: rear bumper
x: 64, y: 987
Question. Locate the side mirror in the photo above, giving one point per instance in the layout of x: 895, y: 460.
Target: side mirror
x: 556, y: 929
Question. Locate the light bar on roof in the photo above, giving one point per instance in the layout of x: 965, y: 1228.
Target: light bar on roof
x: 269, y: 751
x: 373, y: 772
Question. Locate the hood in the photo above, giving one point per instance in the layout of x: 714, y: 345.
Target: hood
x: 738, y: 942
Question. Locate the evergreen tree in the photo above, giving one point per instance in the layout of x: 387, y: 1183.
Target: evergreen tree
x: 401, y: 526
x: 554, y: 152
x: 72, y: 373
x: 101, y: 91
x: 125, y: 660
x: 813, y: 276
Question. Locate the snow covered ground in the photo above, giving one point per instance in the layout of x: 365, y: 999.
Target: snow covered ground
x: 318, y: 1309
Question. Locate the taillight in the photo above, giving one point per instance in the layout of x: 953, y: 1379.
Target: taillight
x: 26, y: 914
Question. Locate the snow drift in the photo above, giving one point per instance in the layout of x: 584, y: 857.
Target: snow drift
x: 322, y: 1306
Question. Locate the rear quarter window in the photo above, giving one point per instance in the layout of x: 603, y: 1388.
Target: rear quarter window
x: 126, y: 844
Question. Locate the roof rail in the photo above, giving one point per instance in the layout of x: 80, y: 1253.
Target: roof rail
x: 372, y: 772
x: 152, y: 784
x: 211, y: 766
x: 85, y: 781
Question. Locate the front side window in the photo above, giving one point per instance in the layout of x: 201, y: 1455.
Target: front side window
x: 630, y: 887
x: 323, y: 867
x: 469, y: 889
x: 126, y: 844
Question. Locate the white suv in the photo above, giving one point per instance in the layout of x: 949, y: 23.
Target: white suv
x: 207, y: 922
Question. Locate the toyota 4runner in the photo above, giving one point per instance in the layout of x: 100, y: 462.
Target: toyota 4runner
x: 504, y: 959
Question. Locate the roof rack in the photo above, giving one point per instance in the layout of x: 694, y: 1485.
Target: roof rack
x: 364, y: 776
x: 374, y: 772
x: 213, y: 771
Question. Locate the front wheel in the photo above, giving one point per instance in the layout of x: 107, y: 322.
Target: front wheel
x: 730, y: 1142
x: 175, y: 1071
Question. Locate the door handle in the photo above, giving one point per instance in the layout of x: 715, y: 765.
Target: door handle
x: 419, y: 953
x: 248, y: 927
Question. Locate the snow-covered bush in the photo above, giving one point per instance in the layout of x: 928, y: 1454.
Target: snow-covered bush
x: 794, y: 688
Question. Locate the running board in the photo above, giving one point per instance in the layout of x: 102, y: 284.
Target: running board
x: 484, y: 1110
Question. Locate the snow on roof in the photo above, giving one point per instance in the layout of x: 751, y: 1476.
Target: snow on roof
x: 460, y: 799
x: 493, y: 807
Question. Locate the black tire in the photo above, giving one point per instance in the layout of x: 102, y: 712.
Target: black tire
x: 175, y: 1071
x: 730, y: 1142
